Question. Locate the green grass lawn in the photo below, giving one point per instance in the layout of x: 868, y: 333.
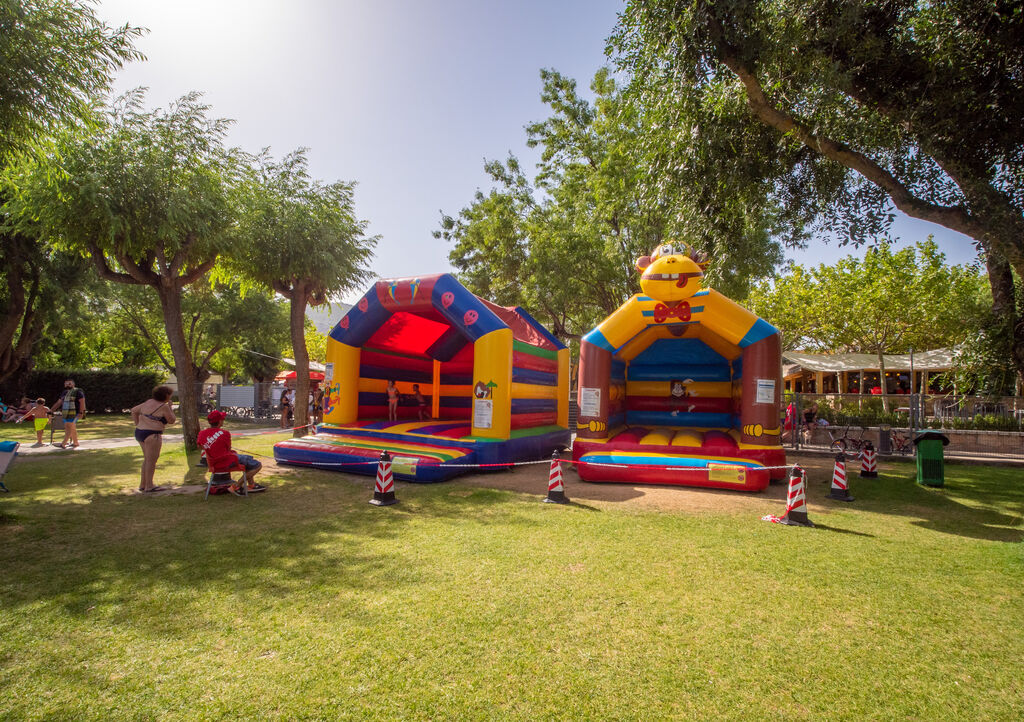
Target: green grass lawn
x: 470, y: 602
x: 101, y: 426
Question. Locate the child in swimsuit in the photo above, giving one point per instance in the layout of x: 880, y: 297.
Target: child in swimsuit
x: 393, y: 397
x: 40, y: 415
x: 421, y: 402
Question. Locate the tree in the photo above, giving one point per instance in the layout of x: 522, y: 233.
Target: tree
x: 836, y: 113
x: 888, y: 302
x: 301, y: 239
x: 56, y: 59
x: 564, y: 246
x: 148, y: 198
x: 219, y: 323
x: 37, y: 293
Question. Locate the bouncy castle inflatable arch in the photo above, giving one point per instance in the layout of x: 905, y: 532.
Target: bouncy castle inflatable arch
x: 495, y: 384
x: 680, y: 385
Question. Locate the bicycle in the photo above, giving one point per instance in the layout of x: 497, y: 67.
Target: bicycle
x: 902, y: 443
x: 846, y: 442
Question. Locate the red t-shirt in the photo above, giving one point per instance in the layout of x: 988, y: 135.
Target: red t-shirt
x: 216, y: 443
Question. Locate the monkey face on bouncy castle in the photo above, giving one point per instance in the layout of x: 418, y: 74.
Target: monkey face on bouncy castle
x: 672, y: 272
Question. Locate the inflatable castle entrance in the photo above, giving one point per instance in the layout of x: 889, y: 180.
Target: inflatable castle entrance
x: 494, y: 383
x: 680, y: 385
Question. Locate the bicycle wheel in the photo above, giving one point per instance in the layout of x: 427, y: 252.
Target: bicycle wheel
x: 839, y: 446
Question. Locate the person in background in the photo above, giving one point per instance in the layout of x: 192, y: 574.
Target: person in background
x: 286, y: 407
x: 71, y: 404
x: 393, y: 397
x: 810, y: 419
x: 40, y: 415
x: 421, y: 402
x: 13, y: 413
x: 151, y: 418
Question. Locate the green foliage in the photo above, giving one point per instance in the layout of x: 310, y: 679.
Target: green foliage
x: 56, y: 59
x: 830, y: 115
x: 564, y: 245
x: 888, y: 302
x: 297, y: 233
x: 148, y: 197
x: 40, y: 291
x: 105, y: 391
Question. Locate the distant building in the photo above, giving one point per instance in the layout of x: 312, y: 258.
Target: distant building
x: 858, y: 373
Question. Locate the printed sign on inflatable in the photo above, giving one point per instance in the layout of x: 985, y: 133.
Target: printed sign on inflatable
x: 680, y: 385
x: 493, y: 382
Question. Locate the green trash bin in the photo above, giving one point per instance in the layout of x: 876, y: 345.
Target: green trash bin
x: 931, y: 465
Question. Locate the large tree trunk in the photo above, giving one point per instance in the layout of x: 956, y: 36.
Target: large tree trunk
x: 188, y: 411
x: 298, y: 299
x: 1004, y: 305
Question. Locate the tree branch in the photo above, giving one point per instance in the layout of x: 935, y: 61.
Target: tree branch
x: 196, y: 273
x: 954, y: 217
x: 99, y: 260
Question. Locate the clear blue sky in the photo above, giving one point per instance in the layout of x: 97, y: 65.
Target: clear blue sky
x: 406, y: 98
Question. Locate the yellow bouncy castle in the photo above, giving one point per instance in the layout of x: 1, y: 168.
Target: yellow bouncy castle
x: 480, y: 385
x: 680, y: 385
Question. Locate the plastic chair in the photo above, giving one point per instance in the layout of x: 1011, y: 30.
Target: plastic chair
x: 223, y: 476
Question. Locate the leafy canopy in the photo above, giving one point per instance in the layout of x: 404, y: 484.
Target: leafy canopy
x: 56, y: 60
x: 886, y: 302
x: 297, y: 232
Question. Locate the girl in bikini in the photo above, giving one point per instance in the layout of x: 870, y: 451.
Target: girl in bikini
x: 151, y: 417
x: 392, y: 401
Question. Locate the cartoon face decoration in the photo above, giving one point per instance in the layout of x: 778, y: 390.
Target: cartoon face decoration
x: 447, y: 299
x: 343, y: 322
x: 470, y: 317
x: 671, y: 273
x: 363, y: 304
x: 481, y: 390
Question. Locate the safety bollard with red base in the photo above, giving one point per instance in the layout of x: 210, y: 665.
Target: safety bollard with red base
x: 840, y: 490
x: 556, y: 491
x: 384, y: 488
x: 869, y: 462
x: 796, y: 501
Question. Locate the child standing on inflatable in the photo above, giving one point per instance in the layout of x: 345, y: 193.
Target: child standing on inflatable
x: 392, y: 401
x: 421, y: 402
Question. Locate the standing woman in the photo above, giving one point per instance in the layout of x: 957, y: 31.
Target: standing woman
x: 150, y: 418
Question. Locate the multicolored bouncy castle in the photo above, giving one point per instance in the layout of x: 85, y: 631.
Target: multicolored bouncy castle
x: 492, y: 381
x: 680, y: 385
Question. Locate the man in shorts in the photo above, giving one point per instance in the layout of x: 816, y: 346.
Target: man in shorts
x: 216, y: 443
x: 71, y: 405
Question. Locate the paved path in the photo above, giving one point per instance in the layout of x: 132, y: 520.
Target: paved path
x: 120, y: 442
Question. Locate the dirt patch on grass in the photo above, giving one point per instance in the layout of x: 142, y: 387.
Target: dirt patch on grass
x: 533, y: 478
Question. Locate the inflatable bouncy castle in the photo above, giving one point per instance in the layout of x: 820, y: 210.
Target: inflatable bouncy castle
x: 479, y: 384
x: 680, y: 385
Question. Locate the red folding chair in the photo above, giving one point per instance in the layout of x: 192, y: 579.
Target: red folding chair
x: 222, y: 477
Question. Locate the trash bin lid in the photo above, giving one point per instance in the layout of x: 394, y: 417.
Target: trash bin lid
x: 931, y: 436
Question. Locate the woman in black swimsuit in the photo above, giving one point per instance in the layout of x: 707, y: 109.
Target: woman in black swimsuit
x: 150, y: 418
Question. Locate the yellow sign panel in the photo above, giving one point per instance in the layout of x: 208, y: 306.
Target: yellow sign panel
x: 727, y: 474
x: 404, y: 465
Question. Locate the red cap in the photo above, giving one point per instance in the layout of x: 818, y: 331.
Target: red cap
x: 215, y: 416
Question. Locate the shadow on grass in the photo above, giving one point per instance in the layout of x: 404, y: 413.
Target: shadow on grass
x: 96, y: 549
x: 837, y: 530
x: 977, y: 502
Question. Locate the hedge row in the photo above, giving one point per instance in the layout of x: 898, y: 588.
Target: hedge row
x: 105, y: 391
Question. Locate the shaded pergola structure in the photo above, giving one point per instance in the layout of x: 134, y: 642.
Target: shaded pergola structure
x: 852, y: 373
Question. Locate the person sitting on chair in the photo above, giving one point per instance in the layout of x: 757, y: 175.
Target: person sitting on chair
x: 216, y: 444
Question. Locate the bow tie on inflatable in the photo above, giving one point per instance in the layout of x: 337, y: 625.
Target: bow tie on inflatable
x: 663, y: 313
